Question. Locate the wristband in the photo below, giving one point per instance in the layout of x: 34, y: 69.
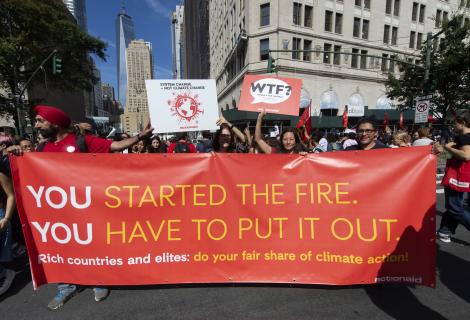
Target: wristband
x: 231, y: 126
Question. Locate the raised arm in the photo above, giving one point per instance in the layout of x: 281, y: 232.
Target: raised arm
x: 235, y: 130
x: 259, y: 137
x: 124, y: 144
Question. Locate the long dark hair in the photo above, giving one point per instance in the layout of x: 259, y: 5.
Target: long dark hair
x: 161, y: 148
x: 298, y: 146
x: 216, y: 145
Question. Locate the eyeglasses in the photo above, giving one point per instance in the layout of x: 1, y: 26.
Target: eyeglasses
x: 365, y: 131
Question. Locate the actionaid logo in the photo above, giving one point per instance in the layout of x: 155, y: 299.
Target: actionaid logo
x: 270, y: 90
x: 185, y: 106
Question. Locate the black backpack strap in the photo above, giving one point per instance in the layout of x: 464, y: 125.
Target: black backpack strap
x: 81, y: 143
x: 40, y: 147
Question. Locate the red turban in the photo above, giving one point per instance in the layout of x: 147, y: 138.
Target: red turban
x: 53, y: 115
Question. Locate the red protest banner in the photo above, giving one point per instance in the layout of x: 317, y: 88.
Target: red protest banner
x: 274, y: 94
x: 113, y: 219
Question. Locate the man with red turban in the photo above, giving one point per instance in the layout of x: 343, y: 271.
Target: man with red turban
x: 54, y: 125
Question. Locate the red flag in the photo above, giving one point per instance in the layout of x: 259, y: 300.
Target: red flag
x: 385, y: 119
x: 305, y: 121
x: 308, y: 124
x: 402, y: 121
x: 303, y: 118
x: 345, y: 117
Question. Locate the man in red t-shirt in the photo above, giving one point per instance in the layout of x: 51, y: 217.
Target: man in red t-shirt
x: 54, y: 125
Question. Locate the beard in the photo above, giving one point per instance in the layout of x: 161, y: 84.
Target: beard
x: 49, y: 133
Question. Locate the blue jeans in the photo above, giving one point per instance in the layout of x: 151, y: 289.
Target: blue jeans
x: 455, y: 212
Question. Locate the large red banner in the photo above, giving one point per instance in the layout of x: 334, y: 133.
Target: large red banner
x: 334, y: 218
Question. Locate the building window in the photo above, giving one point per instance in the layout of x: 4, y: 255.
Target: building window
x: 384, y: 66
x: 412, y: 39
x: 438, y: 18
x: 388, y: 7
x: 355, y: 58
x: 358, y: 3
x: 297, y: 13
x: 265, y: 14
x: 328, y: 21
x: 367, y: 4
x: 435, y: 44
x: 386, y: 34
x: 414, y: 13
x: 307, y: 46
x: 396, y: 8
x: 356, y: 27
x: 326, y: 54
x: 363, y: 59
x: 337, y: 55
x: 445, y: 17
x: 296, y: 46
x: 391, y: 67
x: 365, y: 29
x: 308, y: 17
x: 394, y: 36
x: 419, y: 40
x: 264, y: 49
x: 422, y: 13
x: 339, y: 23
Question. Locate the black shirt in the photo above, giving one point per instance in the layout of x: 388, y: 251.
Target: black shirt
x: 462, y: 140
x: 378, y: 145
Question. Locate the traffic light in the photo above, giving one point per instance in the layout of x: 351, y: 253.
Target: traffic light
x: 56, y: 64
x: 271, y: 64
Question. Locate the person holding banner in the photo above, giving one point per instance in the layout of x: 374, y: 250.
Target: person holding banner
x: 366, y: 136
x: 6, y: 213
x: 290, y: 141
x: 54, y: 124
x: 456, y: 180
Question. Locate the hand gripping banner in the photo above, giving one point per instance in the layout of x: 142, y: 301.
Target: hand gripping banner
x: 336, y: 218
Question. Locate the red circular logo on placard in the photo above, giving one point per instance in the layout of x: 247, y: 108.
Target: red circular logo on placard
x: 422, y: 107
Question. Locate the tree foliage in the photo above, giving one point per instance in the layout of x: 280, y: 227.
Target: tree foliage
x: 30, y: 30
x: 449, y: 73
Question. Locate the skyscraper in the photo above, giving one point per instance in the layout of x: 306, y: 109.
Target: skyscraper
x: 139, y: 69
x: 78, y: 9
x: 124, y: 35
x: 196, y: 39
x: 177, y: 47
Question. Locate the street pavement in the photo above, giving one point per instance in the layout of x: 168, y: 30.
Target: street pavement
x: 449, y: 300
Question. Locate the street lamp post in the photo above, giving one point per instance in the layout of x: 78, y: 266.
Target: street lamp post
x: 18, y: 98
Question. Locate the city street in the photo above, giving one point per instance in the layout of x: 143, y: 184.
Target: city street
x: 449, y: 300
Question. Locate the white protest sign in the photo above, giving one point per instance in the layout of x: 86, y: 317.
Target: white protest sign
x: 182, y: 105
x: 355, y: 111
x: 422, y: 111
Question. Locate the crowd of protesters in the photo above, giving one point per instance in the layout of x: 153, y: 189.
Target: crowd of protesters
x: 57, y: 134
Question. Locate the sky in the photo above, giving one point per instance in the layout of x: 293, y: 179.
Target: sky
x: 151, y: 23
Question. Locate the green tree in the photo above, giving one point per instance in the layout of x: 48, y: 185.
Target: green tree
x: 449, y: 73
x: 30, y: 30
